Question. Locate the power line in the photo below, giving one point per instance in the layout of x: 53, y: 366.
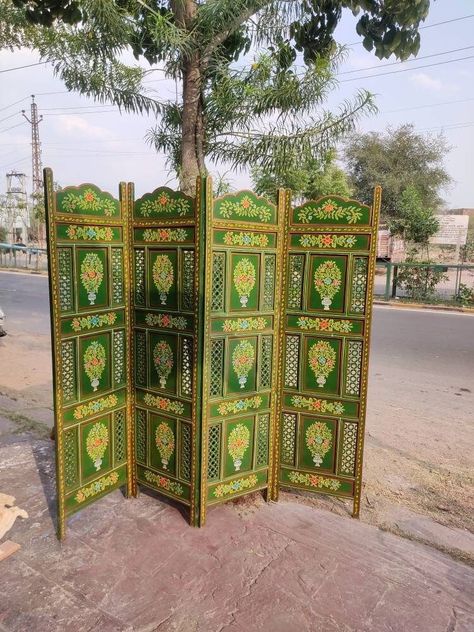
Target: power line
x: 396, y: 63
x: 8, y: 164
x: 428, y: 105
x: 80, y: 113
x: 39, y: 63
x: 8, y: 117
x: 395, y: 72
x: 12, y: 127
x: 81, y: 107
x: 12, y: 104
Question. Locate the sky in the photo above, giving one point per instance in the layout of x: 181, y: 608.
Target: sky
x: 83, y: 141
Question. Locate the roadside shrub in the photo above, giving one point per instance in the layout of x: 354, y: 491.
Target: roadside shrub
x: 466, y: 294
x: 420, y: 282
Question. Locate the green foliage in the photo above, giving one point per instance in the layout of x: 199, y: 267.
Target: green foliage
x: 414, y: 221
x: 466, y: 294
x: 308, y: 180
x: 396, y: 160
x: 420, y: 282
x: 3, y: 234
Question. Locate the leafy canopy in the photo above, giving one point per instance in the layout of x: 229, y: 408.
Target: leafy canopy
x: 397, y: 159
x: 415, y: 222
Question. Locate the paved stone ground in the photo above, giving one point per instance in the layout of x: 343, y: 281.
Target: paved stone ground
x: 135, y: 565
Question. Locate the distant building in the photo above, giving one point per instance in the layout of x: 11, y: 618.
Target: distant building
x: 458, y: 211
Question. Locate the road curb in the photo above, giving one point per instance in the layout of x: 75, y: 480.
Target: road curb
x: 441, y: 308
x: 25, y: 272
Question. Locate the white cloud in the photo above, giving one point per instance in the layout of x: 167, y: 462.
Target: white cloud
x: 79, y: 127
x: 426, y: 81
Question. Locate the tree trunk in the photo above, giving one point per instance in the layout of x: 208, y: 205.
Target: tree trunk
x: 192, y: 122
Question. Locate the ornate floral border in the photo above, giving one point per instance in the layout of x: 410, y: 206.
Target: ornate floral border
x: 317, y: 405
x: 96, y: 406
x: 234, y: 487
x: 163, y: 403
x: 164, y: 483
x: 239, y: 405
x: 313, y: 480
x: 167, y: 321
x: 93, y: 321
x: 324, y: 324
x: 244, y: 324
x: 96, y: 487
x: 328, y: 241
x: 90, y: 233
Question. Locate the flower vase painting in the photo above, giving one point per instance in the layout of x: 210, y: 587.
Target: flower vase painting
x: 163, y: 276
x: 163, y: 361
x: 242, y: 361
x: 92, y: 274
x: 96, y: 443
x: 322, y: 360
x: 244, y: 279
x: 239, y: 441
x: 164, y: 439
x: 318, y: 441
x: 94, y: 363
x: 327, y: 281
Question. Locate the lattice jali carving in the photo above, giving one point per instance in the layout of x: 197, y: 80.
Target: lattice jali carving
x: 353, y: 367
x: 262, y: 440
x: 188, y: 279
x: 348, y: 450
x: 68, y: 370
x: 139, y: 277
x: 140, y: 358
x: 266, y: 362
x: 218, y: 271
x: 119, y: 356
x: 295, y: 281
x: 141, y: 435
x: 288, y: 439
x: 269, y: 282
x: 70, y: 459
x: 214, y: 453
x: 359, y: 285
x: 187, y: 366
x: 66, y: 302
x: 120, y: 445
x: 117, y: 275
x: 217, y: 368
x: 292, y: 354
x: 185, y: 452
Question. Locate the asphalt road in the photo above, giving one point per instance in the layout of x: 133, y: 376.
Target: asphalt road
x: 431, y: 343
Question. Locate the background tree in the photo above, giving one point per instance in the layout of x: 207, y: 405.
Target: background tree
x: 308, y: 181
x: 415, y: 222
x: 399, y: 159
x: 263, y: 113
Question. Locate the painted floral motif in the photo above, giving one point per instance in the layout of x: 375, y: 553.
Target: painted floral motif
x: 163, y: 276
x: 317, y: 405
x: 163, y: 403
x: 166, y: 321
x: 92, y: 322
x: 313, y: 480
x: 96, y: 406
x: 330, y: 209
x: 164, y: 439
x: 328, y: 241
x: 163, y: 361
x: 164, y: 483
x: 88, y: 201
x: 242, y: 361
x: 244, y: 279
x: 245, y: 239
x: 92, y: 275
x: 165, y: 204
x: 325, y: 324
x: 96, y: 443
x: 165, y: 234
x: 245, y: 324
x: 319, y: 441
x: 322, y: 360
x: 327, y: 281
x: 90, y: 233
x: 244, y: 208
x: 97, y: 487
x: 238, y: 443
x: 235, y: 487
x: 239, y: 405
x: 94, y: 362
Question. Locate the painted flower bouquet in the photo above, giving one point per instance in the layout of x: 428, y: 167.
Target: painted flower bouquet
x: 163, y: 361
x: 242, y: 360
x: 97, y: 442
x: 327, y: 281
x: 92, y: 274
x: 163, y: 276
x: 238, y: 443
x: 164, y: 439
x: 322, y: 360
x: 94, y: 362
x: 319, y: 441
x: 244, y: 279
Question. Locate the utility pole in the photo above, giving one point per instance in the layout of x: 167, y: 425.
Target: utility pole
x: 37, y: 180
x: 17, y: 219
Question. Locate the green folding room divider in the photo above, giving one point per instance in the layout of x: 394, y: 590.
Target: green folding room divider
x: 208, y: 348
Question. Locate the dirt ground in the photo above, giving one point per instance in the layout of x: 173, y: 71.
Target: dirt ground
x: 417, y: 483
